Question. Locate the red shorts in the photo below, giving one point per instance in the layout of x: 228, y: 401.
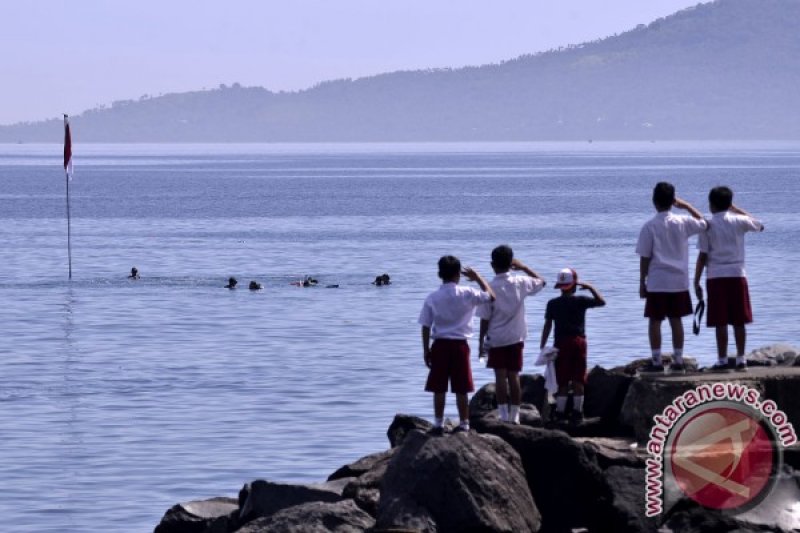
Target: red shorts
x: 506, y: 357
x: 728, y: 302
x: 661, y: 305
x: 450, y: 361
x: 571, y: 361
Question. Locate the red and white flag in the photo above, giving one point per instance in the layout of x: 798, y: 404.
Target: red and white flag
x: 67, y: 149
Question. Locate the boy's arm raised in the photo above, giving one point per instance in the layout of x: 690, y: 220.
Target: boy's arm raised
x: 472, y: 275
x: 683, y: 204
x: 595, y: 294
x: 739, y: 211
x: 516, y: 264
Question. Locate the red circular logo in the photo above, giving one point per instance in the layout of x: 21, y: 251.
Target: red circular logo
x: 722, y: 457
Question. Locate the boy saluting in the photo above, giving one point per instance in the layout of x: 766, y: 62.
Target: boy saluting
x: 503, y: 327
x: 446, y: 317
x: 568, y: 311
x: 722, y: 250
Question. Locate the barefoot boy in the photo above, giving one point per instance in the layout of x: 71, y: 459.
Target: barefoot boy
x: 568, y: 311
x: 503, y: 327
x: 722, y: 251
x: 446, y: 317
x: 663, y: 248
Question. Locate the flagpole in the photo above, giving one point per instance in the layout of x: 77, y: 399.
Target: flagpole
x: 68, y: 146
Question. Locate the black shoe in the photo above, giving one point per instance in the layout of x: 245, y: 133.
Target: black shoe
x: 677, y: 368
x: 460, y: 429
x: 436, y: 431
x: 651, y: 367
x: 720, y: 367
x: 576, y: 418
x: 741, y: 367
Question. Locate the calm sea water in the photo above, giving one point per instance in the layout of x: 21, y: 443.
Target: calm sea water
x: 120, y: 398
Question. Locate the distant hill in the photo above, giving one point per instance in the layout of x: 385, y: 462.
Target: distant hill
x: 729, y: 69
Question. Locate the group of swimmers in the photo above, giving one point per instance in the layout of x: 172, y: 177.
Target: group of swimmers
x: 446, y: 316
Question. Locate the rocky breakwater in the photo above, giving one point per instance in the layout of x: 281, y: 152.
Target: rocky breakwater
x: 536, y: 476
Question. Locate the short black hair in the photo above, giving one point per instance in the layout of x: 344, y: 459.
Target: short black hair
x: 449, y: 267
x: 502, y: 257
x: 663, y: 195
x: 721, y: 198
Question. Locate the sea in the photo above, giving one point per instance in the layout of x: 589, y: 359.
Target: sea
x: 120, y: 398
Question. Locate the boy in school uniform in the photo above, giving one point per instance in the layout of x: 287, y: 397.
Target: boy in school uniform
x: 722, y: 252
x: 503, y: 327
x: 663, y: 248
x: 568, y: 311
x: 446, y: 317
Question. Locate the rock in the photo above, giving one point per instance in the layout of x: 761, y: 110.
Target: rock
x: 264, y: 498
x: 564, y: 476
x: 627, y: 509
x: 483, y: 401
x: 614, y: 451
x: 365, y: 490
x: 689, y: 517
x: 634, y: 366
x: 215, y: 515
x: 361, y: 466
x: 402, y: 425
x: 605, y: 394
x: 313, y: 517
x: 773, y: 355
x: 648, y: 397
x: 458, y: 482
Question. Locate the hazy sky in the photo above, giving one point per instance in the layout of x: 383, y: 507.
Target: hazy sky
x: 70, y: 55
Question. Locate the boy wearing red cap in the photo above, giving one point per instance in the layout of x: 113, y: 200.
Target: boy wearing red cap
x: 722, y: 251
x: 568, y: 311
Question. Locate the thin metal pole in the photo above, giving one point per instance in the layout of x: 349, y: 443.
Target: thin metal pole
x: 69, y: 230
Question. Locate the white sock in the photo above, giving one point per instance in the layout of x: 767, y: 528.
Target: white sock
x: 464, y: 424
x: 438, y: 422
x: 740, y: 360
x: 577, y: 403
x: 502, y: 411
x: 677, y: 355
x: 722, y: 360
x: 561, y: 403
x: 514, y: 414
x: 657, y: 357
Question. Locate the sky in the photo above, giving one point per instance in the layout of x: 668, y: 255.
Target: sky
x: 66, y: 56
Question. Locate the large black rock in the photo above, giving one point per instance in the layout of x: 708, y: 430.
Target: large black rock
x: 462, y: 482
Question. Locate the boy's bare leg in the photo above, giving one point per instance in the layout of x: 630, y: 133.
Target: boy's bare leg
x: 501, y: 385
x: 513, y: 385
x: 463, y: 406
x: 740, y: 335
x: 676, y: 324
x: 438, y: 404
x: 722, y: 343
x: 654, y: 333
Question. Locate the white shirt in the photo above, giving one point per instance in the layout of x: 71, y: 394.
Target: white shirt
x: 665, y: 240
x: 724, y: 243
x: 506, y: 314
x: 448, y: 311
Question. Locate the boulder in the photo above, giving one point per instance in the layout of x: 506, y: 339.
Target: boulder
x: 264, y: 498
x: 402, y: 425
x: 361, y: 466
x: 649, y: 396
x: 689, y: 517
x: 215, y: 515
x: 313, y: 517
x: 365, y: 490
x: 627, y: 487
x: 614, y: 451
x: 605, y: 394
x: 564, y: 476
x: 773, y: 355
x: 457, y: 482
